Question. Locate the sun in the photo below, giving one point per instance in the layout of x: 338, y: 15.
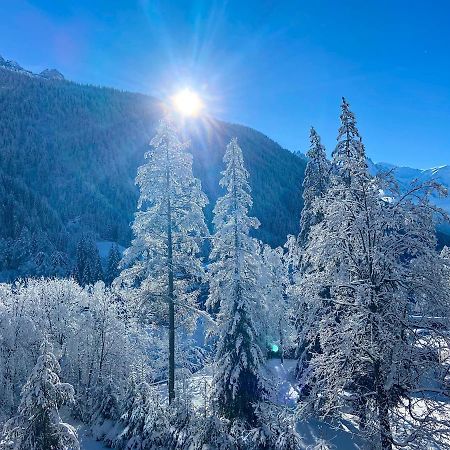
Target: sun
x: 187, y: 102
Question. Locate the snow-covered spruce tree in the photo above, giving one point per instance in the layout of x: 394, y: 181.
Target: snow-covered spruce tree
x: 163, y: 256
x: 112, y: 267
x: 315, y: 184
x: 105, y: 409
x: 375, y: 257
x: 234, y: 278
x: 349, y: 156
x: 38, y: 425
x: 134, y: 417
x: 275, y: 430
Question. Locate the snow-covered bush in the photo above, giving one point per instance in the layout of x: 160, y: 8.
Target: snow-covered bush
x: 93, y: 337
x: 38, y: 425
x: 211, y: 433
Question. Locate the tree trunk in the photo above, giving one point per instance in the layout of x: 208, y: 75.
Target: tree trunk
x: 170, y: 293
x: 281, y: 343
x: 383, y: 419
x: 171, y: 339
x: 383, y: 409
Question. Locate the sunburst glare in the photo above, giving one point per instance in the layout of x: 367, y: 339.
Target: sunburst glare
x: 188, y: 103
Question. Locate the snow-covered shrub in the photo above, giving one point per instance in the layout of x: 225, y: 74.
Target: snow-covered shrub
x: 211, y: 433
x: 93, y: 336
x: 38, y: 425
x: 157, y: 430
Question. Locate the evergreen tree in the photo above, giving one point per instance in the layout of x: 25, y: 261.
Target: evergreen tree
x: 349, y: 158
x: 59, y: 263
x: 38, y: 425
x: 134, y: 418
x: 374, y: 257
x: 112, y: 268
x: 212, y: 432
x: 164, y: 253
x: 88, y: 266
x: 234, y: 277
x: 315, y: 184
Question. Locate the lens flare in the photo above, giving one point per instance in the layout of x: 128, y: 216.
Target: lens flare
x: 188, y: 103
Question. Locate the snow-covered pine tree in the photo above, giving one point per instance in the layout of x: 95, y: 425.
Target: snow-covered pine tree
x: 315, y: 184
x: 211, y: 432
x: 106, y: 403
x: 112, y: 267
x: 234, y: 277
x: 38, y: 425
x: 164, y: 255
x: 349, y: 156
x: 374, y: 255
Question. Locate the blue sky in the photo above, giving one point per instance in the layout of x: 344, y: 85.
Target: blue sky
x: 278, y: 66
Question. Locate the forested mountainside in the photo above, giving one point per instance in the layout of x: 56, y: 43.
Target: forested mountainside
x: 68, y: 159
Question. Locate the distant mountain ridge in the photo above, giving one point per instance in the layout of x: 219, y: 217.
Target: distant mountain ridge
x: 406, y: 175
x: 50, y: 74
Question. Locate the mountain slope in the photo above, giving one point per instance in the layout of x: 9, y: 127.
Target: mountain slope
x: 69, y: 154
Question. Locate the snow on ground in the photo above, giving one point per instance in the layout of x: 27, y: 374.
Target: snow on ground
x: 87, y: 442
x: 313, y: 432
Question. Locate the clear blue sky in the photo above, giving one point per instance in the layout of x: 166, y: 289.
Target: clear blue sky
x: 278, y: 66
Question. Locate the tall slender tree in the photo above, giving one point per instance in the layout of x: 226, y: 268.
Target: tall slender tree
x: 315, y: 184
x: 235, y: 286
x: 164, y: 255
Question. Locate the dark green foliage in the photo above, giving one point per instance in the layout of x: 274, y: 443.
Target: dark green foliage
x: 112, y: 264
x: 88, y: 268
x: 69, y: 155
